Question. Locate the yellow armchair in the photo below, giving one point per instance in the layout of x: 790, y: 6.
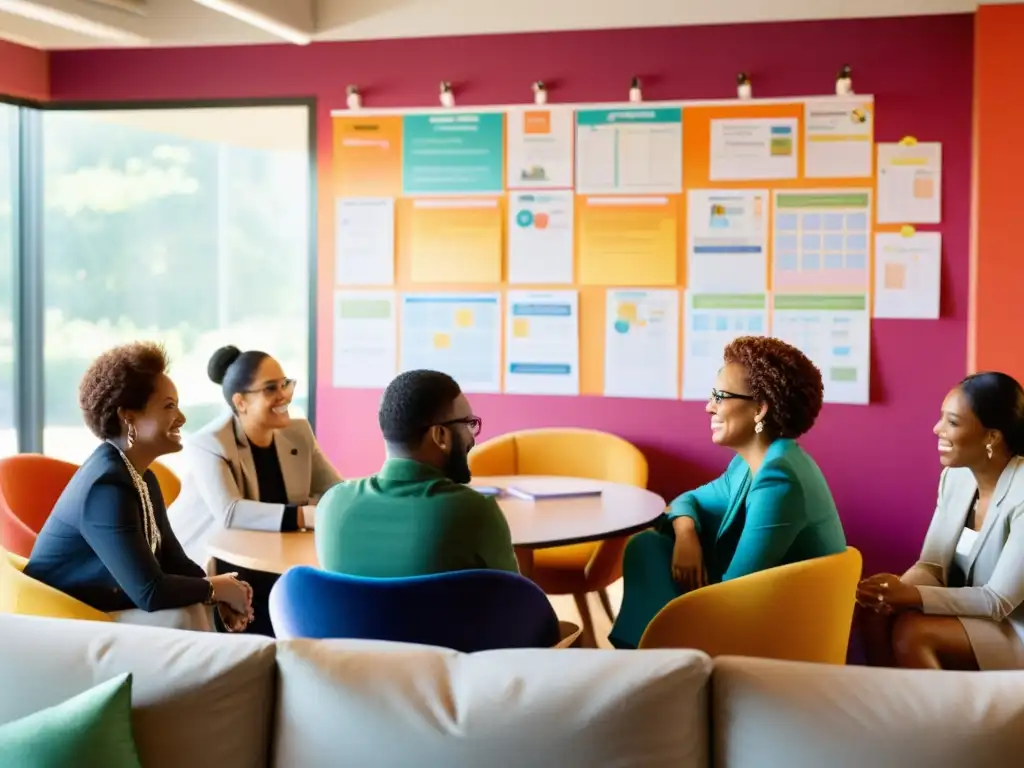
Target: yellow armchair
x: 21, y: 594
x: 575, y: 569
x: 170, y: 485
x: 797, y: 612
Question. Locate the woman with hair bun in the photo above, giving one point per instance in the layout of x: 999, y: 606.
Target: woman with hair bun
x: 961, y: 606
x: 771, y: 507
x: 254, y: 468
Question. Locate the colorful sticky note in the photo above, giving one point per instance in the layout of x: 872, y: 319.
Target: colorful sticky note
x: 442, y: 341
x: 521, y: 328
x: 464, y: 318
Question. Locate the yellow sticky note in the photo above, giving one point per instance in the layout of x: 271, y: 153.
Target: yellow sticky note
x: 627, y: 311
x: 464, y: 318
x: 521, y: 328
x: 442, y: 341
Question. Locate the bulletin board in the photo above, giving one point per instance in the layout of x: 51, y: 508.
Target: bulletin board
x: 615, y: 249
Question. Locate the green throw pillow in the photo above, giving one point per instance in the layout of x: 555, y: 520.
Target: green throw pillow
x: 90, y: 730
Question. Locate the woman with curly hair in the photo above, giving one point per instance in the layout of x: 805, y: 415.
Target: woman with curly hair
x: 771, y: 507
x: 107, y: 541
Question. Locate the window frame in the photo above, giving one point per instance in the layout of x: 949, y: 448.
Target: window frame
x: 28, y: 299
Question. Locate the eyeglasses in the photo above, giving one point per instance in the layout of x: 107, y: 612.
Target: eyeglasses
x: 475, y: 424
x: 718, y: 396
x: 273, y: 388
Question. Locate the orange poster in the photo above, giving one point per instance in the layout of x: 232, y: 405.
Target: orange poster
x: 456, y: 241
x: 628, y: 240
x: 368, y: 156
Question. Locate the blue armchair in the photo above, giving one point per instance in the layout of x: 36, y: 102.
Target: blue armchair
x: 467, y: 611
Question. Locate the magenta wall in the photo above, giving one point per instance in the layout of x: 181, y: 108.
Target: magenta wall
x: 880, y: 460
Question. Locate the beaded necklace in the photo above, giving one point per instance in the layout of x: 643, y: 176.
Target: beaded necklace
x: 149, y: 526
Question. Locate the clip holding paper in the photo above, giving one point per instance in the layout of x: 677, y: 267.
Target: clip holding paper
x: 908, y: 141
x: 907, y: 230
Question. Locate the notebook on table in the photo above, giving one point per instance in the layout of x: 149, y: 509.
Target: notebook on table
x: 552, y: 488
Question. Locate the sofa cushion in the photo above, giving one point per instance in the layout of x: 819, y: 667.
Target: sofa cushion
x: 774, y: 714
x: 90, y: 730
x: 352, y: 703
x: 198, y: 699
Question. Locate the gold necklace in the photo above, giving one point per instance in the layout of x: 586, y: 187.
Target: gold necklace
x: 149, y: 527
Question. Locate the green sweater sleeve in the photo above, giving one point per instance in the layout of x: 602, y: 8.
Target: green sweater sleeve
x: 774, y: 519
x: 493, y: 539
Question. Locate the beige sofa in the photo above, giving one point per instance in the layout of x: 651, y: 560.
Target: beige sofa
x: 213, y: 701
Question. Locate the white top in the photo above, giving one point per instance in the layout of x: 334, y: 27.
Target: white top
x: 962, y: 555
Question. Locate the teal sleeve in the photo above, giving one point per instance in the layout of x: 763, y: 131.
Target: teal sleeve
x: 774, y: 519
x: 705, y: 505
x: 494, y: 539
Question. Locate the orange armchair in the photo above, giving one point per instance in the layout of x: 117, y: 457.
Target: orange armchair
x: 797, y: 612
x: 576, y: 569
x: 30, y: 485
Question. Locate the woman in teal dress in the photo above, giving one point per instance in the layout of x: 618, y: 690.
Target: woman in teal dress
x: 772, y: 505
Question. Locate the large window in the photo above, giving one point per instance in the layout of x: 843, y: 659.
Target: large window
x: 189, y: 227
x: 8, y: 241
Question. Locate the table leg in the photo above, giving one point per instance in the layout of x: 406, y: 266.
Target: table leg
x: 524, y: 556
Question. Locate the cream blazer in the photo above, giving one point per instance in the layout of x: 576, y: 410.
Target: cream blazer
x: 995, y: 572
x: 220, y: 488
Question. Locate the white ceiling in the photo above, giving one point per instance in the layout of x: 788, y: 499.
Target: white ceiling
x: 100, y: 24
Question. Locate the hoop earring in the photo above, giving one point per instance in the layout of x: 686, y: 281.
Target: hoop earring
x: 988, y: 450
x: 759, y: 427
x: 132, y: 434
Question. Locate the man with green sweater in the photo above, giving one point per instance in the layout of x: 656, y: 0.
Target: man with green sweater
x: 416, y: 516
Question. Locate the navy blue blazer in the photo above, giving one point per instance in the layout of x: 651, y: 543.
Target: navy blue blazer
x: 93, y: 547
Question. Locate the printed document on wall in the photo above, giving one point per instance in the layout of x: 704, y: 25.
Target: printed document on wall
x: 910, y: 183
x: 726, y: 241
x: 364, y: 242
x: 754, y: 148
x: 908, y: 275
x: 540, y: 237
x: 641, y: 351
x: 365, y: 339
x: 628, y: 240
x: 542, y: 343
x: 457, y: 333
x: 822, y: 241
x: 711, y: 321
x: 838, y: 138
x: 629, y: 151
x: 540, y: 148
x: 834, y: 331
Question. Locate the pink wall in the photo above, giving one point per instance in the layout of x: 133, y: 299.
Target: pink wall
x: 24, y: 72
x: 880, y: 460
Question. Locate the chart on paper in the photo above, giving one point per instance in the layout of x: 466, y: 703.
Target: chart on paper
x: 540, y: 237
x: 542, y: 343
x: 711, y: 321
x: 834, y: 331
x: 838, y: 138
x: 908, y: 274
x: 540, y: 148
x: 457, y: 333
x: 910, y: 183
x: 365, y: 339
x: 822, y: 241
x: 632, y: 151
x: 726, y: 238
x: 641, y: 355
x: 755, y: 148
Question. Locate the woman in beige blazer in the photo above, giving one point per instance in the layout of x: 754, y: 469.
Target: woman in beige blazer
x: 255, y: 468
x: 961, y: 606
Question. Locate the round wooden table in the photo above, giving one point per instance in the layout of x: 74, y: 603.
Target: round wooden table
x: 618, y: 511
